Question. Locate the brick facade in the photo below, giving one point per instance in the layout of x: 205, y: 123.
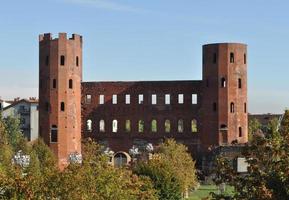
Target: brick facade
x: 200, y: 114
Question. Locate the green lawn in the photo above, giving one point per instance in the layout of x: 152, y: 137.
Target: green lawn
x: 204, y: 191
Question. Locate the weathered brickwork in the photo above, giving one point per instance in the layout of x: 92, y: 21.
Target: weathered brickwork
x: 200, y: 114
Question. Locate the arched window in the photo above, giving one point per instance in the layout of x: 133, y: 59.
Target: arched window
x: 47, y: 60
x: 232, y: 58
x: 223, y: 82
x: 167, y: 126
x: 127, y: 126
x: 62, y: 60
x: 194, y: 126
x: 53, y: 134
x: 154, y: 126
x: 180, y: 126
x: 232, y: 107
x: 140, y: 126
x: 240, y: 132
x: 101, y: 126
x: 240, y: 83
x: 70, y: 84
x: 114, y: 126
x: 89, y: 125
x: 62, y: 106
x: 54, y: 83
x: 120, y: 160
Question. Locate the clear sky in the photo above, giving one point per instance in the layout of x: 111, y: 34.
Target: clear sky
x: 150, y: 40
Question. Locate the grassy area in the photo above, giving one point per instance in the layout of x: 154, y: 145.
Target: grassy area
x: 204, y: 191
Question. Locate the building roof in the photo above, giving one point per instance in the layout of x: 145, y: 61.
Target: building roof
x: 29, y: 101
x: 264, y: 119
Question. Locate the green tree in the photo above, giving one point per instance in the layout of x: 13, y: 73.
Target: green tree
x: 268, y: 171
x: 171, y: 169
x: 254, y: 127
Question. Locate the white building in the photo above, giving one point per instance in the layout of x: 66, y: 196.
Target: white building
x: 27, y: 112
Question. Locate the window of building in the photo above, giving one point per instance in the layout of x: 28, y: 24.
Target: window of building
x: 47, y: 106
x: 240, y: 132
x: 77, y: 61
x: 114, y: 126
x: 181, y: 98
x: 140, y: 126
x: 101, y: 126
x: 70, y: 83
x: 207, y: 82
x: 89, y: 125
x: 154, y: 126
x: 240, y: 83
x: 167, y: 126
x: 232, y: 58
x: 88, y: 98
x: 62, y: 106
x: 194, y: 98
x: 154, y: 99
x: 167, y: 99
x: 214, y: 106
x: 245, y: 107
x: 127, y: 99
x: 53, y: 134
x: 180, y: 126
x: 194, y: 126
x: 47, y: 60
x: 223, y: 127
x: 232, y: 107
x: 127, y: 126
x: 245, y: 58
x: 101, y: 99
x: 54, y: 83
x: 62, y: 60
x: 114, y: 99
x: 223, y: 82
x: 215, y: 58
x: 140, y: 99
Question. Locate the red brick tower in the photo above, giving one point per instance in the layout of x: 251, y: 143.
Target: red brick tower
x: 60, y: 76
x: 225, y: 94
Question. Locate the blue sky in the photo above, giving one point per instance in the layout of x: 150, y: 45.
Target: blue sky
x: 150, y: 40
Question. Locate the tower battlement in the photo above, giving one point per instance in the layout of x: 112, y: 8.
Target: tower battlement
x: 61, y: 36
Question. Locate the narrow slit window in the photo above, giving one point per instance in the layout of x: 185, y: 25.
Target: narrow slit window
x: 47, y: 60
x: 88, y: 98
x: 62, y: 60
x: 54, y: 134
x: 223, y: 82
x: 154, y: 99
x: 245, y: 58
x: 47, y: 106
x: 240, y: 132
x: 127, y: 99
x: 215, y: 106
x: 245, y: 107
x: 167, y: 99
x: 194, y: 98
x: 54, y: 83
x: 232, y: 57
x: 77, y: 61
x: 62, y: 106
x: 70, y: 84
x: 240, y: 83
x: 114, y: 99
x: 232, y: 107
x: 181, y: 98
x: 140, y: 99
